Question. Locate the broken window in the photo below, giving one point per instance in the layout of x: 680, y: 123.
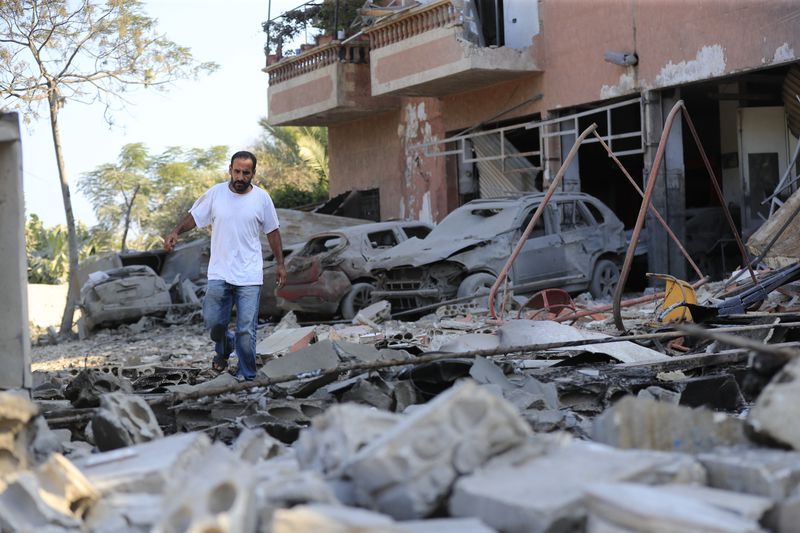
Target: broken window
x: 538, y: 230
x: 571, y: 216
x: 419, y: 232
x: 382, y: 239
x: 596, y: 214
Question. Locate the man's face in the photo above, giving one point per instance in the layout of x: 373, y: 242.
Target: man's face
x: 241, y: 172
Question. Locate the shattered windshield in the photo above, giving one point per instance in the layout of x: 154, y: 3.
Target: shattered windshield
x: 477, y: 221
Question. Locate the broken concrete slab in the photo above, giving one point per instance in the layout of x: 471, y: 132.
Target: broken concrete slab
x: 220, y: 499
x: 647, y: 509
x: 374, y: 314
x: 445, y: 525
x: 335, y: 436
x: 286, y: 340
x: 128, y: 512
x: 643, y: 423
x: 773, y: 474
x: 777, y: 403
x: 331, y: 519
x: 407, y: 471
x: 528, y: 332
x: 544, y: 490
x: 123, y: 420
x: 747, y: 505
x: 321, y: 355
x: 142, y: 467
x: 369, y: 393
x: 87, y: 387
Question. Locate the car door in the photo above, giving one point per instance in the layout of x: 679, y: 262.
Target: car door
x: 542, y: 255
x: 578, y: 233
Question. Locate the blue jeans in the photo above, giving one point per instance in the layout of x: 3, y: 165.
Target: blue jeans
x: 217, y: 305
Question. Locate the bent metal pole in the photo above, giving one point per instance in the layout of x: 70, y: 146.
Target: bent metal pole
x: 536, y: 215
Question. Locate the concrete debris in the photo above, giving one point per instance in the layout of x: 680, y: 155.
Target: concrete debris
x: 779, y: 402
x: 89, y: 385
x: 773, y: 474
x: 123, y: 420
x: 409, y: 469
x: 254, y: 445
x: 120, y: 511
x: 221, y: 496
x: 16, y: 432
x: 643, y: 509
x: 374, y: 314
x: 669, y: 427
x: 286, y: 340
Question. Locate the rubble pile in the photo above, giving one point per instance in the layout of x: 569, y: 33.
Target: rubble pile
x: 455, y: 422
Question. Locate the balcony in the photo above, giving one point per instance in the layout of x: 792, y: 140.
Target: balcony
x: 430, y: 51
x: 322, y: 86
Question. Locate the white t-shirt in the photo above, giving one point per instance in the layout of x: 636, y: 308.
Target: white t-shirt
x: 236, y: 221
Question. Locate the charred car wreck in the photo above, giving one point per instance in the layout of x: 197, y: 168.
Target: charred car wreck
x: 329, y: 275
x: 576, y: 245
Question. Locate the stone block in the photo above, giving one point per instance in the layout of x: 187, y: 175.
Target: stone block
x: 124, y: 512
x: 17, y: 432
x: 771, y: 473
x: 776, y: 412
x: 331, y: 519
x: 335, y: 436
x: 143, y: 467
x: 214, y: 494
x: 89, y: 385
x: 409, y: 469
x: 643, y: 423
x: 254, y: 445
x: 645, y: 509
x: 123, y: 420
x: 544, y: 491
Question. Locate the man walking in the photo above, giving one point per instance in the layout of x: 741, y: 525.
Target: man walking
x: 237, y: 212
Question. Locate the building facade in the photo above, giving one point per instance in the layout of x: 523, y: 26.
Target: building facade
x: 444, y: 101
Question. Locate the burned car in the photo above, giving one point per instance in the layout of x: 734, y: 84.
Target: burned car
x: 576, y: 245
x: 329, y: 275
x: 268, y: 303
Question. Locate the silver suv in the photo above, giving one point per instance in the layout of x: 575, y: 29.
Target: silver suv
x: 576, y: 245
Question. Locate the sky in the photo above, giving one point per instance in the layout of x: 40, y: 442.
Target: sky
x: 220, y: 109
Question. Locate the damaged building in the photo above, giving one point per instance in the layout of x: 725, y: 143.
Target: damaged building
x: 440, y: 102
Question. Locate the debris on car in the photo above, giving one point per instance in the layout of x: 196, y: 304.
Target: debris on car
x: 329, y: 275
x: 575, y: 246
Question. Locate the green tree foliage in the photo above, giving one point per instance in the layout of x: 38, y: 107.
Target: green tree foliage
x: 140, y: 197
x: 48, y: 251
x: 293, y: 164
x: 55, y: 51
x: 119, y: 192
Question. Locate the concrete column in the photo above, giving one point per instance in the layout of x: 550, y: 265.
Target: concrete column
x: 15, y: 359
x: 669, y: 195
x: 551, y: 150
x: 572, y: 176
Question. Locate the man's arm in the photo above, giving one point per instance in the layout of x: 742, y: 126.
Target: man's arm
x: 183, y: 226
x: 274, y: 238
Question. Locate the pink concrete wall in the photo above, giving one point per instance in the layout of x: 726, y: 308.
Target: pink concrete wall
x: 364, y: 154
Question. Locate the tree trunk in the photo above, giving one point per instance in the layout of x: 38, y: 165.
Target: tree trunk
x: 128, y: 210
x: 72, y: 237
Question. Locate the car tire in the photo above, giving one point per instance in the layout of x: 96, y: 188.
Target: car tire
x: 358, y: 298
x: 604, y: 279
x: 480, y: 283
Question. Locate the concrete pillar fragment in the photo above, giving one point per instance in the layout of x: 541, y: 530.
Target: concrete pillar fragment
x: 15, y: 361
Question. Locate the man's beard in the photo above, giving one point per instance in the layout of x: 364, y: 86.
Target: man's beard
x: 240, y: 186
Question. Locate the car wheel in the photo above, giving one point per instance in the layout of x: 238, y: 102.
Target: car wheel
x: 359, y: 297
x: 480, y: 283
x: 604, y: 279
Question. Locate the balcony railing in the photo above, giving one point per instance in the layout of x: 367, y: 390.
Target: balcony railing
x: 403, y: 26
x: 317, y: 58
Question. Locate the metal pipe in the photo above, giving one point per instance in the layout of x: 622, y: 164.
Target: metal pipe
x: 536, y: 215
x: 637, y: 228
x: 653, y: 210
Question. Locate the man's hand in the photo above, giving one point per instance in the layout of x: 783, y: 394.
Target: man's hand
x: 170, y: 241
x: 280, y: 276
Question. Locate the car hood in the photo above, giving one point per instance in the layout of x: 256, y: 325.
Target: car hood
x: 416, y: 252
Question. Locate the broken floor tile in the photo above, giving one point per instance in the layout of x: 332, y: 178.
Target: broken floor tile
x: 775, y: 413
x: 335, y: 436
x: 142, y: 467
x: 528, y: 332
x: 123, y: 420
x: 647, y: 509
x: 519, y: 493
x: 641, y: 423
x: 771, y: 473
x: 409, y: 469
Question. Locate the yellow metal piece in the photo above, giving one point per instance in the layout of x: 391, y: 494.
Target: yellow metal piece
x: 677, y: 292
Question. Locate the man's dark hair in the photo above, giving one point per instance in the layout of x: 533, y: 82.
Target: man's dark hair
x: 244, y: 154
